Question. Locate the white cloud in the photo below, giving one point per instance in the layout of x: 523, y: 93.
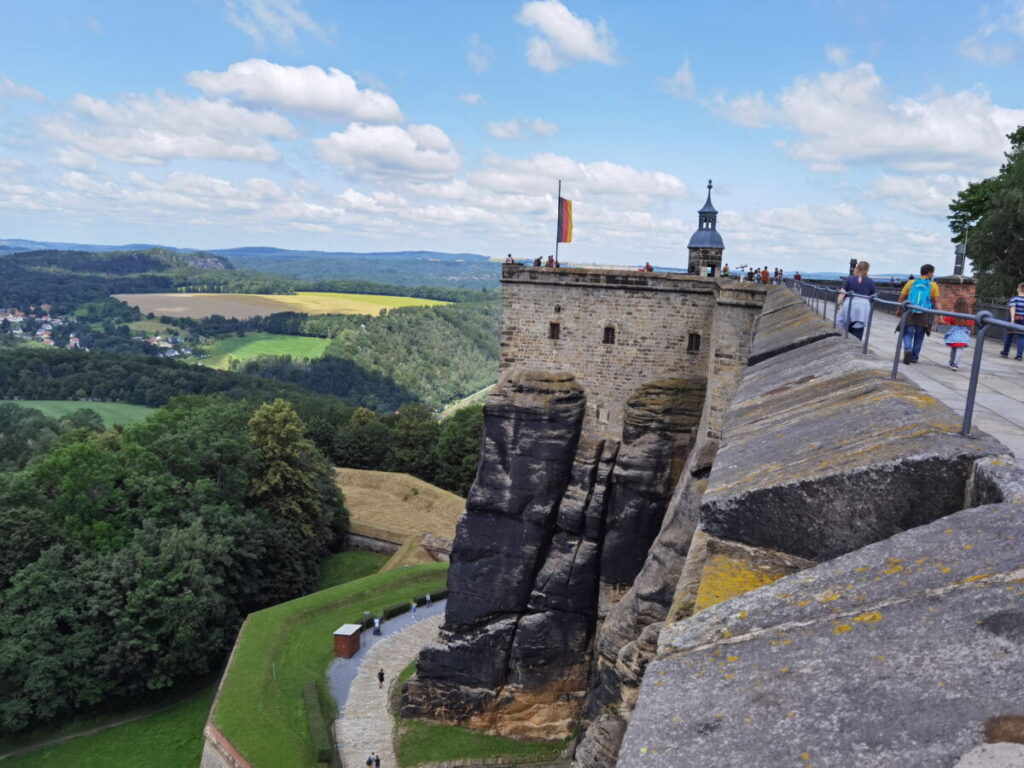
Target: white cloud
x: 139, y: 129
x: 750, y: 110
x: 846, y: 117
x: 517, y: 126
x: 280, y: 19
x: 921, y: 195
x: 564, y: 37
x: 12, y: 90
x: 479, y: 55
x: 391, y: 151
x: 475, y: 99
x: 837, y: 55
x: 307, y: 89
x: 71, y: 157
x: 681, y: 84
x: 540, y: 174
x: 998, y: 41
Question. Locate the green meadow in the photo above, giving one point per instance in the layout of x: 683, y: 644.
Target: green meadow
x: 111, y: 413
x: 253, y: 345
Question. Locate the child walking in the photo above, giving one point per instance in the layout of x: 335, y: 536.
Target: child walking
x: 958, y: 337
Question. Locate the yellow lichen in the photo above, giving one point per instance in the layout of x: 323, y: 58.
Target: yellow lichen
x: 840, y: 629
x: 732, y: 658
x: 868, y: 618
x: 726, y: 576
x: 977, y: 577
x: 892, y: 570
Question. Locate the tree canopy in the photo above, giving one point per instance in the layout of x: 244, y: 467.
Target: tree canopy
x: 988, y: 216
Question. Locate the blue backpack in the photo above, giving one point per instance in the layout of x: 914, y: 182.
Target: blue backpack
x: 921, y: 294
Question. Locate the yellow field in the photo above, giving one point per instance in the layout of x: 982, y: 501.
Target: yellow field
x: 393, y: 506
x: 245, y: 305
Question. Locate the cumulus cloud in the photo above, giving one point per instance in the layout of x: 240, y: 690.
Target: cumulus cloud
x: 846, y: 117
x: 307, y: 89
x: 479, y: 55
x: 139, y: 129
x: 12, y: 90
x: 74, y: 158
x: 518, y: 126
x: 279, y: 19
x: 997, y: 41
x: 474, y: 99
x: 391, y: 151
x: 837, y: 55
x: 540, y: 173
x: 922, y: 195
x: 563, y: 37
x: 681, y: 84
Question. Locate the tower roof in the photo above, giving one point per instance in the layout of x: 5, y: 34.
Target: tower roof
x: 708, y: 207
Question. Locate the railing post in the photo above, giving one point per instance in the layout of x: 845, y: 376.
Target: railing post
x: 867, y: 325
x: 899, y: 340
x: 981, y: 323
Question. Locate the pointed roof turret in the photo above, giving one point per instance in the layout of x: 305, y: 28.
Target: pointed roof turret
x: 708, y: 207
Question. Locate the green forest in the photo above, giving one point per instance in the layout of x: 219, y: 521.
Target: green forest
x: 988, y: 216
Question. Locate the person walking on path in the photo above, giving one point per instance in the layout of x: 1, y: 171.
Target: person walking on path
x: 380, y: 678
x: 429, y: 601
x: 1016, y: 317
x: 921, y: 292
x: 958, y: 337
x: 853, y: 314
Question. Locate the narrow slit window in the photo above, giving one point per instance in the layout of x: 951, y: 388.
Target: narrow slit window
x: 554, y: 330
x: 693, y: 343
x: 609, y: 334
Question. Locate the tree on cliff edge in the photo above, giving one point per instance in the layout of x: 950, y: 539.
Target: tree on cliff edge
x: 989, y: 214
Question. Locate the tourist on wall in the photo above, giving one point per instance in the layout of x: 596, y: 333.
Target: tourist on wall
x: 1016, y: 317
x: 853, y: 314
x: 921, y: 292
x: 380, y: 678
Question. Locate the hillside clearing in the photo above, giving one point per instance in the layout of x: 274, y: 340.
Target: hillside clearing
x: 393, y: 506
x: 111, y: 413
x: 245, y: 305
x: 253, y: 345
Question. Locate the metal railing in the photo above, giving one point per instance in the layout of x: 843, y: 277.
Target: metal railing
x: 821, y: 298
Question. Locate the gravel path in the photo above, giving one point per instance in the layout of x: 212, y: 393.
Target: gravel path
x: 365, y: 724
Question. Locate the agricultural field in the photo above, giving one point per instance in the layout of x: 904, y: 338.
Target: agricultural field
x: 152, y: 327
x: 256, y: 344
x: 393, y: 506
x: 245, y: 305
x: 111, y: 413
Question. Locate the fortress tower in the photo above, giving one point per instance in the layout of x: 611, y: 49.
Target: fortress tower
x: 706, y: 244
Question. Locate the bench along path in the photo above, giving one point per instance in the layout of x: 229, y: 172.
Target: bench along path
x: 364, y: 724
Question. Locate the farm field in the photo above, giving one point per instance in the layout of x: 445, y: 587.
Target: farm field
x: 393, y: 506
x: 245, y: 305
x: 111, y: 413
x: 256, y: 344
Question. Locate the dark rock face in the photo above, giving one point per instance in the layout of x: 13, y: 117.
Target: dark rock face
x: 532, y: 550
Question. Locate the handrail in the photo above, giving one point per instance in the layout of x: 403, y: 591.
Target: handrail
x: 983, y: 320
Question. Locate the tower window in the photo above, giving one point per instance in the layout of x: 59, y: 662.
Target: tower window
x: 693, y: 343
x: 554, y: 330
x: 609, y: 334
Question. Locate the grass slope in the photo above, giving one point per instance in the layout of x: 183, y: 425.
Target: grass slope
x: 171, y: 739
x: 256, y: 344
x: 264, y: 717
x: 349, y: 566
x: 111, y: 413
x: 394, y: 506
x: 246, y: 305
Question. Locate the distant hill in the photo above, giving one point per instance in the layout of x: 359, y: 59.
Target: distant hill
x: 17, y: 246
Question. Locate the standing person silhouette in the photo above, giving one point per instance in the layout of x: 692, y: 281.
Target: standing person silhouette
x: 923, y: 292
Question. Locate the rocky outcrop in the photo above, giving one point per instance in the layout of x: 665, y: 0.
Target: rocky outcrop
x: 906, y: 652
x: 551, y: 516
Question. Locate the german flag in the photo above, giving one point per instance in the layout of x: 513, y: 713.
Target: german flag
x: 564, y: 221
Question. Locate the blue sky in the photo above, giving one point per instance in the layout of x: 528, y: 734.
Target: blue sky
x: 832, y: 129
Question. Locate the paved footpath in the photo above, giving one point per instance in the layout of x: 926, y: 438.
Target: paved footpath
x: 364, y: 724
x: 999, y: 404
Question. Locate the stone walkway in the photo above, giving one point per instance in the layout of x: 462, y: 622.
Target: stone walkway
x: 999, y: 404
x: 365, y: 724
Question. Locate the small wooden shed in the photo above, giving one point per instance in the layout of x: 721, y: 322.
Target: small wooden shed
x: 346, y: 640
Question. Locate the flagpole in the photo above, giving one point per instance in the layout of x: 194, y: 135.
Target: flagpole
x: 558, y: 209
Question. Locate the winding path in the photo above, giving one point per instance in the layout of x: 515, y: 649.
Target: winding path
x: 364, y: 724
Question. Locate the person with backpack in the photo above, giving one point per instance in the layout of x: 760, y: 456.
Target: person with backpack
x: 924, y: 293
x: 1017, y: 318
